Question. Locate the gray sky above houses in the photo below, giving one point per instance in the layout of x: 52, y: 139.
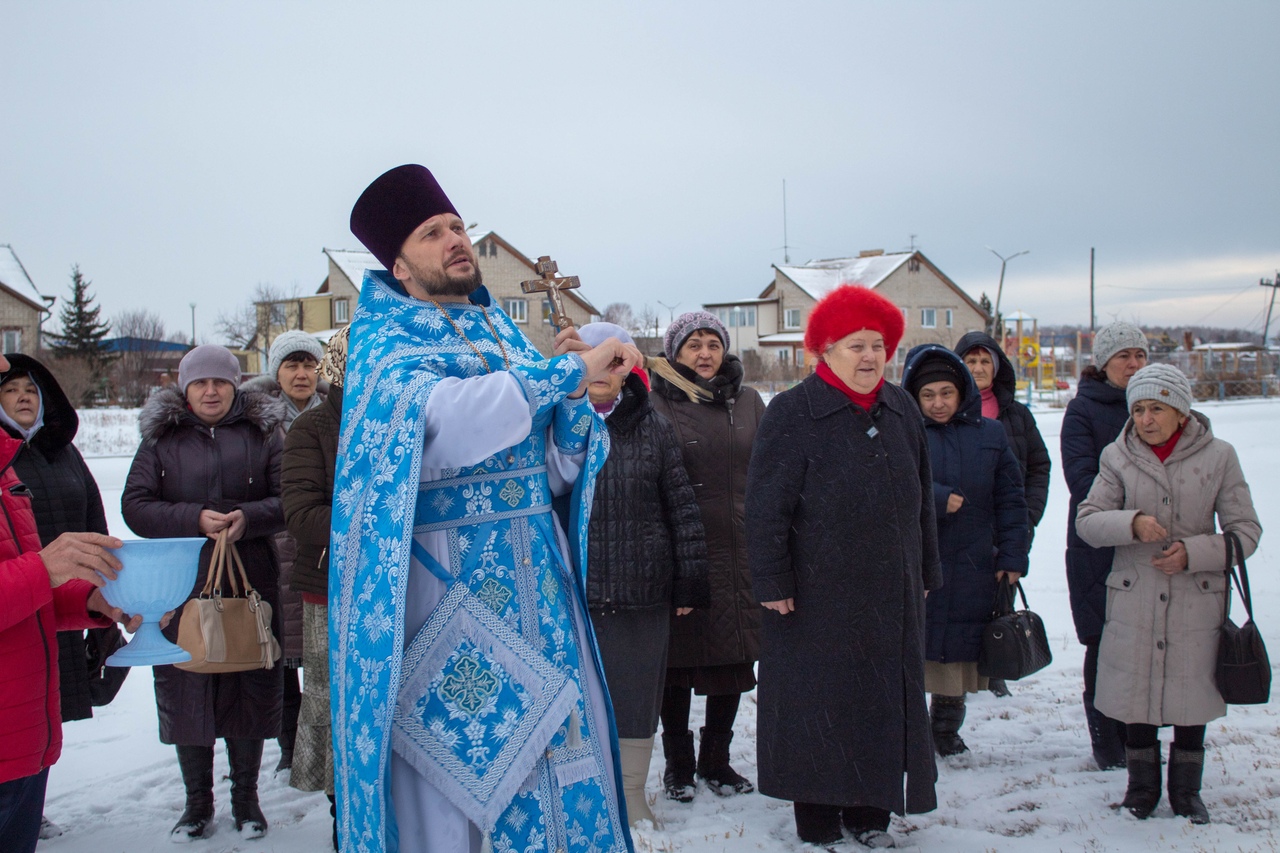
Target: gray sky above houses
x: 184, y: 152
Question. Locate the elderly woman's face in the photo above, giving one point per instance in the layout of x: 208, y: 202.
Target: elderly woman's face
x: 703, y: 353
x: 21, y: 401
x: 858, y: 359
x: 1121, y: 366
x: 983, y: 370
x: 210, y: 399
x: 1156, y: 422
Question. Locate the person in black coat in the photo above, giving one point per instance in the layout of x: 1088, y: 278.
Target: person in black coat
x: 648, y: 556
x: 210, y: 461
x: 842, y: 544
x: 64, y: 498
x: 1094, y: 419
x: 982, y: 530
x: 997, y: 382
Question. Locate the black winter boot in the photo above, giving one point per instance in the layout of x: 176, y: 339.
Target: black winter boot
x: 1186, y: 767
x: 1143, y: 793
x: 817, y: 823
x: 677, y: 777
x: 286, y: 741
x: 245, y: 757
x: 999, y: 688
x: 1107, y: 736
x: 196, y: 764
x: 713, y: 764
x: 946, y: 714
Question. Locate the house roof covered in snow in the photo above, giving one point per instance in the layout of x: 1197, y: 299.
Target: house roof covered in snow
x: 818, y: 278
x: 353, y: 263
x: 15, y: 279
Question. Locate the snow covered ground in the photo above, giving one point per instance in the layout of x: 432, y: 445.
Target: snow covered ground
x: 1028, y: 783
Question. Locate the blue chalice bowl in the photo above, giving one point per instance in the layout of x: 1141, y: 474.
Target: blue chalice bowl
x: 157, y: 577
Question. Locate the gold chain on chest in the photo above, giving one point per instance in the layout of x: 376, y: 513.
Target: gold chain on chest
x: 506, y: 362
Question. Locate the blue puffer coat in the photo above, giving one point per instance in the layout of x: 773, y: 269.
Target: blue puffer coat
x: 1092, y: 421
x: 969, y: 456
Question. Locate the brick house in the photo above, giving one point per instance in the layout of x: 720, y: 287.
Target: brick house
x: 22, y: 306
x: 502, y: 267
x: 772, y: 324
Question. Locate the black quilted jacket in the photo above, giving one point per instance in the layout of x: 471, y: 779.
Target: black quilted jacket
x: 64, y: 498
x: 646, y: 546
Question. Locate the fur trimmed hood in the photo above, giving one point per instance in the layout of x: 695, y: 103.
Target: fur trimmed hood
x: 166, y: 410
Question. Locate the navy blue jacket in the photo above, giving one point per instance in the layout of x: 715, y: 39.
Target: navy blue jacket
x: 1093, y: 420
x: 1019, y: 426
x: 970, y: 456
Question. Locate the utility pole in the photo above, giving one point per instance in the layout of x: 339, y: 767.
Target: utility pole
x: 1000, y: 286
x: 1272, y: 283
x: 671, y: 311
x: 786, y: 249
x: 193, y: 324
x: 1093, y: 315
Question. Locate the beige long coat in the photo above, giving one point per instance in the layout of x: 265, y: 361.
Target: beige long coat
x: 1160, y: 641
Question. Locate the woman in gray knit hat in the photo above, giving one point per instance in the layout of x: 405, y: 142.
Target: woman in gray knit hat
x: 713, y: 651
x: 1161, y: 486
x: 1092, y: 421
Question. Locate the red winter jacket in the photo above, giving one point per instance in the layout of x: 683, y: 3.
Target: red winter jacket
x: 30, y: 615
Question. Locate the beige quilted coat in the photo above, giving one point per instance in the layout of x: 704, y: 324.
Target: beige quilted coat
x: 1160, y: 641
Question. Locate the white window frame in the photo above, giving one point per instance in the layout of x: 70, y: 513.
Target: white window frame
x: 791, y: 318
x: 928, y: 318
x: 784, y: 355
x: 341, y: 311
x: 951, y: 318
x: 517, y: 310
x: 12, y: 340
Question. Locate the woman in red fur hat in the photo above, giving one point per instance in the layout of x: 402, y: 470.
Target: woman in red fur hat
x: 842, y: 544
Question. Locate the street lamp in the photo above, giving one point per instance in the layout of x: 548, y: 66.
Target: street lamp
x: 1000, y: 287
x: 193, y: 324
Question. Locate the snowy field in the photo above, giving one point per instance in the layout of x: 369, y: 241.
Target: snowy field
x: 1028, y: 783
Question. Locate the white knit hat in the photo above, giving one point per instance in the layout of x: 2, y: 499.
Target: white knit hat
x: 1163, y: 383
x: 1113, y: 337
x: 287, y: 344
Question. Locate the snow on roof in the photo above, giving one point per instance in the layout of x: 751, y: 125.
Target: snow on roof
x: 818, y: 278
x: 783, y: 338
x: 353, y: 263
x: 753, y: 301
x: 1229, y: 347
x: 14, y: 276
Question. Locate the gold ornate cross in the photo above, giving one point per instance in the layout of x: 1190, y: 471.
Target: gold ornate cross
x: 552, y: 285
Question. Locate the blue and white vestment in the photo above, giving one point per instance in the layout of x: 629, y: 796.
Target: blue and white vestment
x: 469, y: 708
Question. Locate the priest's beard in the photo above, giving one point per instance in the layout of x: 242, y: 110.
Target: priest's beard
x: 439, y: 283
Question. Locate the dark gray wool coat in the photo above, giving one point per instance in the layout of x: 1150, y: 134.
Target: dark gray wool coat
x: 840, y: 517
x: 183, y: 467
x: 716, y: 437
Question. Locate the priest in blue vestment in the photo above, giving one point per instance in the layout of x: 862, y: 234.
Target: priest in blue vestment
x: 469, y: 711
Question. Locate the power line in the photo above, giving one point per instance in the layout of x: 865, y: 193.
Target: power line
x: 1173, y: 290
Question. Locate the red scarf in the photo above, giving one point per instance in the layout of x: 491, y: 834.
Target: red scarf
x: 1162, y: 451
x: 865, y: 401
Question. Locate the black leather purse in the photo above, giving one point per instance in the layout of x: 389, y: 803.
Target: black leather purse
x: 1014, y: 644
x: 1244, y: 670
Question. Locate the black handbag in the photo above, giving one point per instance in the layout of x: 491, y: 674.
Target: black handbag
x: 1244, y: 670
x: 104, y: 681
x: 1014, y: 644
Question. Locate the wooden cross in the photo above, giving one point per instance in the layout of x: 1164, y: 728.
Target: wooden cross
x: 552, y: 285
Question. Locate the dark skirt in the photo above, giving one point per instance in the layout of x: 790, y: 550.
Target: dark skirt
x: 633, y: 646
x: 714, y: 680
x: 195, y: 709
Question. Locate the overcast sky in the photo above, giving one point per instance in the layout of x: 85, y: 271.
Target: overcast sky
x: 184, y: 152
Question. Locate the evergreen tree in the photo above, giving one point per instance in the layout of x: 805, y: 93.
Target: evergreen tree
x: 995, y: 327
x: 82, y: 334
x: 82, y: 330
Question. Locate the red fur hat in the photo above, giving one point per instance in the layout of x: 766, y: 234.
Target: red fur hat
x: 851, y: 308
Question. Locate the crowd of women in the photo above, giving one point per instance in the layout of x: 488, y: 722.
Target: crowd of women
x: 844, y: 546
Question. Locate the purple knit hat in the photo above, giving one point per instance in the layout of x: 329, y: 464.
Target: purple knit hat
x: 392, y: 206
x: 688, y: 323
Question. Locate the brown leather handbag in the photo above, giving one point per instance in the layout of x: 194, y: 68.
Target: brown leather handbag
x: 229, y: 633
